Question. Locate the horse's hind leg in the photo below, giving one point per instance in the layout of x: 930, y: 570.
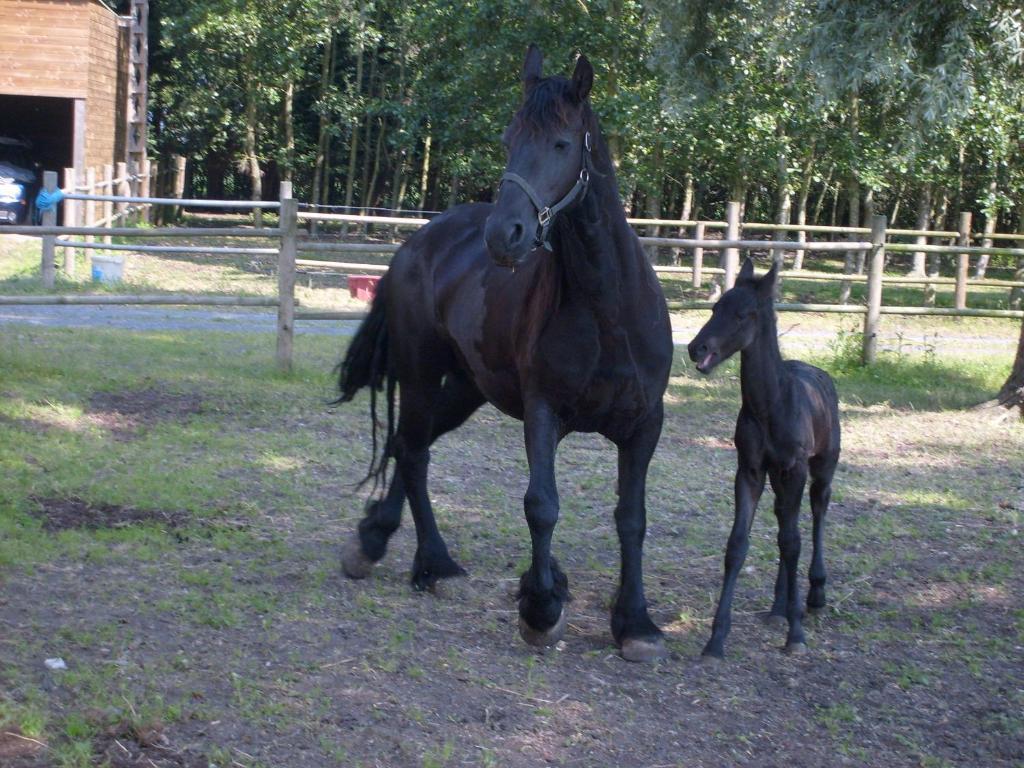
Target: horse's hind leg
x: 789, y: 491
x: 419, y: 399
x: 457, y: 401
x: 821, y: 493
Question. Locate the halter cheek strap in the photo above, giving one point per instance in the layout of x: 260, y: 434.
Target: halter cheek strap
x: 546, y: 214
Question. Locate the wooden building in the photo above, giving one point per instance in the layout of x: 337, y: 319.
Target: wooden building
x: 73, y: 81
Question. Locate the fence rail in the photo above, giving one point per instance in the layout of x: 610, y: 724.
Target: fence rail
x: 118, y: 192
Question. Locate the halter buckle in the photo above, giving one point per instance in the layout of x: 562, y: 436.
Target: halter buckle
x: 544, y: 217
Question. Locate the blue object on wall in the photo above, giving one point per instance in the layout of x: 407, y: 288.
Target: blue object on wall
x: 47, y: 200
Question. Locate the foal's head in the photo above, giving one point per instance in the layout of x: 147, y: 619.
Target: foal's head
x: 734, y: 319
x: 548, y: 142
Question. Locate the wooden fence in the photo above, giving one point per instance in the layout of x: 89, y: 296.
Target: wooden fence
x: 81, y: 220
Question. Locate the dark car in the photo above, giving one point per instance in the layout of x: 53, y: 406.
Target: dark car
x: 19, y: 181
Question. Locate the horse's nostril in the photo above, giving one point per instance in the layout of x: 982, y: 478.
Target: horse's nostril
x: 516, y: 235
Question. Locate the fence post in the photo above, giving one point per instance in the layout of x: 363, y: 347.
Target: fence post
x: 286, y: 283
x: 90, y: 205
x: 145, y: 209
x: 698, y: 256
x: 962, y: 260
x: 123, y: 190
x: 108, y: 206
x: 48, y: 267
x: 732, y: 232
x: 875, y: 267
x: 70, y: 218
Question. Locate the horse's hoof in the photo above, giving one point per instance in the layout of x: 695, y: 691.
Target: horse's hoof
x: 795, y: 649
x: 816, y: 610
x: 710, y: 661
x: 543, y: 638
x: 776, y: 621
x: 354, y: 563
x: 641, y: 650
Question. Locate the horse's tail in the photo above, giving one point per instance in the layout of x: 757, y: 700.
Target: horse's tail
x: 366, y: 364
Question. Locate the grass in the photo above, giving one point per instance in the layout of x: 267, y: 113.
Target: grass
x: 230, y: 633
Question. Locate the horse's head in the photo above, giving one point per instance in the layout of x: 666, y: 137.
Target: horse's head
x: 549, y: 144
x: 734, y: 319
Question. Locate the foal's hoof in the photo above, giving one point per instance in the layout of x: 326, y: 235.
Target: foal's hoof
x: 354, y: 563
x: 816, y: 610
x: 710, y: 660
x: 644, y: 649
x: 776, y: 621
x: 543, y: 638
x: 795, y: 649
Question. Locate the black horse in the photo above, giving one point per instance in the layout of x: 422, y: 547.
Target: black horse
x: 544, y: 305
x: 788, y: 427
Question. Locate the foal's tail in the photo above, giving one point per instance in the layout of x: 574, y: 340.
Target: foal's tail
x: 366, y: 365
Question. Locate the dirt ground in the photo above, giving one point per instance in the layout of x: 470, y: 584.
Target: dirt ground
x: 221, y: 631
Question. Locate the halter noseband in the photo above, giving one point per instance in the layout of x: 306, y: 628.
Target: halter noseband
x: 546, y: 214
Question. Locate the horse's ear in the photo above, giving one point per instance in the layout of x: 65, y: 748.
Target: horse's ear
x: 766, y: 285
x: 532, y: 67
x: 582, y: 78
x: 747, y: 270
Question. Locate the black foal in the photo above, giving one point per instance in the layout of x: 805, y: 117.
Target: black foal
x: 788, y: 427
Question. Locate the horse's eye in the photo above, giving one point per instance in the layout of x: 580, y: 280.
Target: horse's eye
x: 561, y: 145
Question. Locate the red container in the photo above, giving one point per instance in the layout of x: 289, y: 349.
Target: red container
x: 363, y: 286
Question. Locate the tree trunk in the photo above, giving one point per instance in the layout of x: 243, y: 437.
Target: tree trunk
x: 991, y: 217
x: 323, y: 134
x: 935, y: 259
x: 825, y: 186
x: 252, y: 161
x: 801, y: 204
x: 1011, y: 395
x: 425, y: 172
x: 1016, y: 294
x: 783, y: 211
x: 287, y: 116
x: 686, y: 209
x: 353, y: 146
x: 371, y: 85
x: 869, y: 212
x: 853, y: 220
x: 924, y: 206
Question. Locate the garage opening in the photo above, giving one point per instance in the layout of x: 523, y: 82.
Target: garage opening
x: 47, y: 123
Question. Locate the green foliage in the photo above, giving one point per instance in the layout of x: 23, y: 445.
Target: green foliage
x: 751, y: 101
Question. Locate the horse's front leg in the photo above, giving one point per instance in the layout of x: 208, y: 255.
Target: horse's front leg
x: 634, y: 632
x: 543, y: 589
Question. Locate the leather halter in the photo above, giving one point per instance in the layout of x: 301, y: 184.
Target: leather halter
x: 546, y: 214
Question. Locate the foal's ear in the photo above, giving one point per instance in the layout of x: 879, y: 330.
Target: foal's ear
x: 747, y: 270
x: 766, y: 285
x: 582, y: 78
x: 532, y: 67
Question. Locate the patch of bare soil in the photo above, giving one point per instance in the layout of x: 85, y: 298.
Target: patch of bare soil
x: 59, y: 514
x: 131, y: 747
x: 16, y: 749
x: 125, y: 413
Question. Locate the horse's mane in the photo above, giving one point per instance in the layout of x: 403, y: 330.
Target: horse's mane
x: 550, y: 104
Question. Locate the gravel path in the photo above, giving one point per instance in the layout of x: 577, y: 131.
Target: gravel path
x: 797, y: 334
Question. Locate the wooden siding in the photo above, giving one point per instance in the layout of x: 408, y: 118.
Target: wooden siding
x: 105, y: 101
x: 72, y: 49
x: 44, y: 47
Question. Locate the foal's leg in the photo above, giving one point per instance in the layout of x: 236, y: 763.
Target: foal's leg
x: 789, y: 490
x: 749, y: 487
x: 458, y: 400
x: 634, y: 632
x: 821, y: 493
x: 543, y: 589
